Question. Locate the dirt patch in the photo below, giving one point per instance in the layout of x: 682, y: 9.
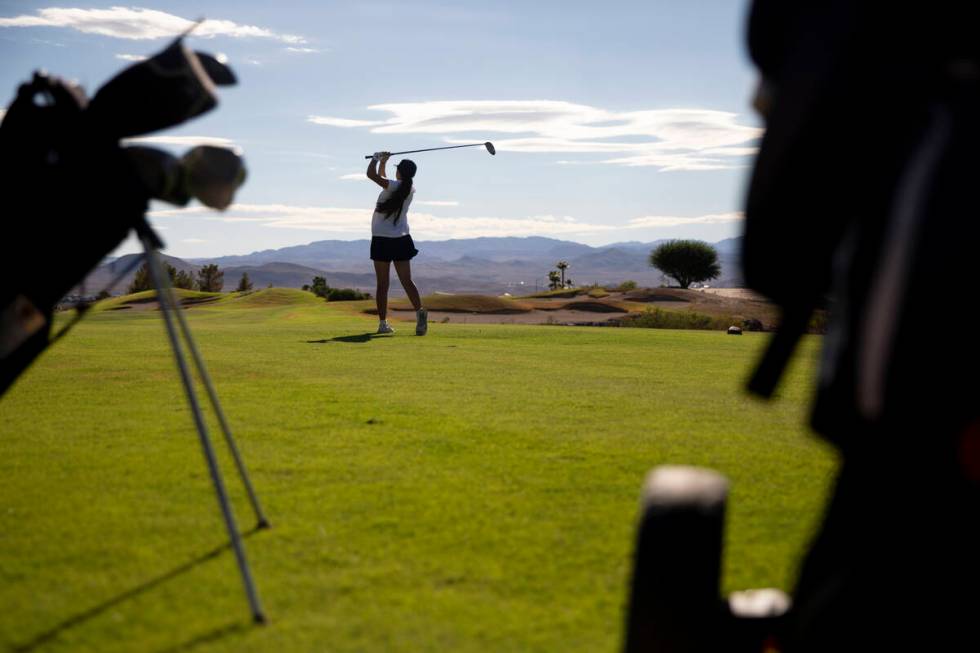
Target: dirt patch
x: 486, y: 304
x: 554, y: 309
x: 532, y: 317
x: 734, y: 293
x: 658, y: 295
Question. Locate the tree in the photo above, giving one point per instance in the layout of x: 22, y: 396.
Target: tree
x: 554, y: 280
x: 142, y: 280
x: 103, y: 294
x: 319, y: 287
x: 687, y: 261
x: 184, y: 280
x: 244, y: 283
x: 210, y: 278
x: 562, y: 265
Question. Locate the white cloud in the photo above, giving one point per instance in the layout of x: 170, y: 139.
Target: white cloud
x: 131, y: 57
x: 302, y: 50
x: 656, y: 221
x: 193, y: 241
x: 184, y: 141
x: 353, y: 176
x: 137, y: 23
x: 669, y: 139
x: 342, y: 122
x: 356, y: 222
x: 436, y: 203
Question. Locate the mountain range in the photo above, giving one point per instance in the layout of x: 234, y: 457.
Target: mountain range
x: 483, y: 265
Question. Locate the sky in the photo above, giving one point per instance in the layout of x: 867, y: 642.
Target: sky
x: 613, y: 121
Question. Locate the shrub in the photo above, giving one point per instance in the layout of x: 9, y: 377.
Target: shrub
x: 319, y: 287
x: 345, y: 294
x: 657, y: 318
x: 627, y: 285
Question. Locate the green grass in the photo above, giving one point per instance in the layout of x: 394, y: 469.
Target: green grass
x: 473, y: 490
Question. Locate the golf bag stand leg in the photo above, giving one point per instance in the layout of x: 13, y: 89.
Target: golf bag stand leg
x: 262, y: 521
x: 168, y: 308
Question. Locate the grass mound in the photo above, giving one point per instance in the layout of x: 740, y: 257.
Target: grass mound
x: 269, y: 297
x: 185, y: 297
x: 566, y: 293
x: 467, y: 304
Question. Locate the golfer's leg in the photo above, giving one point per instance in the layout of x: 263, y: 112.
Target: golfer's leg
x: 381, y: 271
x: 404, y: 270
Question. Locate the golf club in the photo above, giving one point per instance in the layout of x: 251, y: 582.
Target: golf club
x: 487, y: 145
x: 213, y: 174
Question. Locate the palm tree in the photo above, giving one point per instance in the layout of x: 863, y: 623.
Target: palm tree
x: 562, y: 265
x: 553, y: 280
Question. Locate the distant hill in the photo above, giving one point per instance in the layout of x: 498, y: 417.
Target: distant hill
x: 477, y: 265
x: 502, y: 261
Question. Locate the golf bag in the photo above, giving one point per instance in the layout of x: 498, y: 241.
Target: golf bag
x: 863, y: 201
x: 72, y: 192
x: 75, y: 193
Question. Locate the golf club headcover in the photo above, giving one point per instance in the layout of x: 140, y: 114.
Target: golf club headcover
x: 674, y: 601
x: 164, y: 91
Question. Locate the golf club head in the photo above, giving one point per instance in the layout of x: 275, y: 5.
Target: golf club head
x: 167, y: 89
x: 161, y: 173
x: 490, y: 148
x: 216, y: 68
x: 213, y: 174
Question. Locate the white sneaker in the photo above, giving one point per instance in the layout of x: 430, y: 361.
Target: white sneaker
x: 384, y: 327
x: 421, y: 322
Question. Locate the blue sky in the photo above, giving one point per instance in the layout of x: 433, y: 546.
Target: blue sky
x: 613, y: 120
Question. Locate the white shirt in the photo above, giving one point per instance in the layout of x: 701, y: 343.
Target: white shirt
x: 387, y: 228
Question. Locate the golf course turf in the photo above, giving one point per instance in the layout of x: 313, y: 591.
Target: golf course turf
x: 472, y: 490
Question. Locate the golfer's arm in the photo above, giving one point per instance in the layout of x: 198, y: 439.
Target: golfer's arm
x: 372, y: 174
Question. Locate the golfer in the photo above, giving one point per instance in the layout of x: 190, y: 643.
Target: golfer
x: 390, y: 239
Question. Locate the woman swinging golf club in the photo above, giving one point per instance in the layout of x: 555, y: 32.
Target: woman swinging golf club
x: 390, y: 239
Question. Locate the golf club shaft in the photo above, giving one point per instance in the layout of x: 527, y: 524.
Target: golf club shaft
x: 432, y: 149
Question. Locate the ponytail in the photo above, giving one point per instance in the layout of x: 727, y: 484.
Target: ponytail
x: 396, y: 202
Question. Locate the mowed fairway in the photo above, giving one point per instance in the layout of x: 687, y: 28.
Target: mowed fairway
x: 472, y: 490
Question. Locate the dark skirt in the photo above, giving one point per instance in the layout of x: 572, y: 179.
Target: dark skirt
x: 392, y: 249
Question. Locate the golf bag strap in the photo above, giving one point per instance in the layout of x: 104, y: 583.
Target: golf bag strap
x: 781, y: 346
